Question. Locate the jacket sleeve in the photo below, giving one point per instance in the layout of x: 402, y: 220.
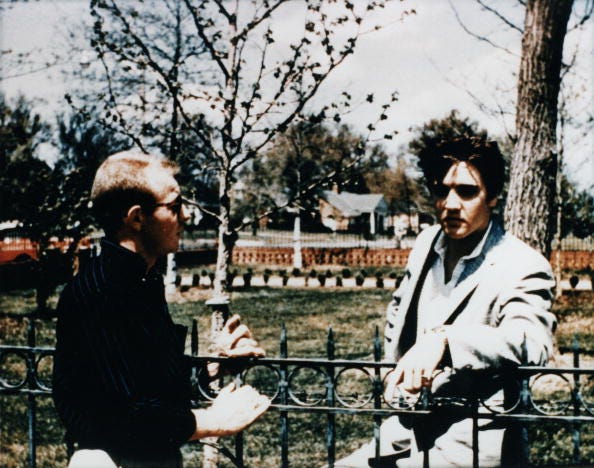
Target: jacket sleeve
x: 522, y: 328
x: 393, y: 318
x: 395, y: 312
x: 84, y: 385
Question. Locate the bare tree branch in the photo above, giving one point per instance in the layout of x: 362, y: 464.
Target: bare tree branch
x: 500, y: 16
x: 475, y: 35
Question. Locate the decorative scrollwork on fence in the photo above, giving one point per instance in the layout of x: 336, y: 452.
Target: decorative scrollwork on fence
x: 353, y: 385
x: 25, y: 368
x: 333, y: 386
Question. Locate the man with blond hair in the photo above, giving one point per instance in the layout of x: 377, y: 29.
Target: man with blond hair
x: 121, y: 381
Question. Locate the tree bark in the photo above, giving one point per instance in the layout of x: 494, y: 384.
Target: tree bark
x: 530, y: 208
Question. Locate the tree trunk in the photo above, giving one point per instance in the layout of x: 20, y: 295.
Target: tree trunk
x: 530, y: 209
x: 297, y: 256
x: 219, y: 303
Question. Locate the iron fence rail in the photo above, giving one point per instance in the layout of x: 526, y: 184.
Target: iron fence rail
x: 334, y: 386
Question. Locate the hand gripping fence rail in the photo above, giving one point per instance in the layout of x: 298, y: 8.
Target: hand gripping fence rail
x: 333, y: 387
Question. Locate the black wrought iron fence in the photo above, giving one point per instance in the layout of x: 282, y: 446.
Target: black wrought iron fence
x: 333, y: 386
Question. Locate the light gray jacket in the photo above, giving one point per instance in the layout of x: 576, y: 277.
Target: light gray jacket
x: 503, y: 297
x: 508, y: 291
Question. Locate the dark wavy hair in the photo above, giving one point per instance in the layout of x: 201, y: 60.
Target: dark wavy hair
x: 435, y: 161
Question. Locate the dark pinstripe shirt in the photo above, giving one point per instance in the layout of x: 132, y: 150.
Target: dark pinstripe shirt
x: 121, y: 381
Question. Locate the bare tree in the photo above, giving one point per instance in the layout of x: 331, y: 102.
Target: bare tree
x: 229, y: 77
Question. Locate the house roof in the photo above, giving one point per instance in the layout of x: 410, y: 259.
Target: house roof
x: 355, y: 204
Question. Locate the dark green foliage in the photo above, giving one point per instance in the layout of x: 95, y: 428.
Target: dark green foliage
x: 379, y: 279
x: 247, y: 278
x: 266, y: 275
x: 577, y: 211
x: 195, y: 279
x: 359, y: 279
x: 297, y: 167
x: 322, y: 279
x: 49, y: 201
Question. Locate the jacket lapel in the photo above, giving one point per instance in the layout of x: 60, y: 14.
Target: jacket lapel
x: 408, y: 335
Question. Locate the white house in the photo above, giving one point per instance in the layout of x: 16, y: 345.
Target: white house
x: 346, y: 211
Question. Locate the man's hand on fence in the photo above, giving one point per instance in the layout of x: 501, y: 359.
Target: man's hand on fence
x: 416, y: 368
x: 234, y: 340
x: 231, y: 412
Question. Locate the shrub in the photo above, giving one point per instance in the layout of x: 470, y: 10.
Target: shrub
x: 322, y: 279
x: 338, y: 280
x: 346, y: 273
x: 231, y: 277
x: 247, y: 278
x: 359, y: 279
x: 313, y: 273
x: 379, y: 281
x: 296, y: 272
x: 266, y: 275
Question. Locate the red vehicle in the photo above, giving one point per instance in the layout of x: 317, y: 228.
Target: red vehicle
x: 17, y: 248
x: 14, y: 246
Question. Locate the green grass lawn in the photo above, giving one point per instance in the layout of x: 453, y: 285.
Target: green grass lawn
x: 307, y: 315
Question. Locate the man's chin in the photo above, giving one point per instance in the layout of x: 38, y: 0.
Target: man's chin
x: 457, y: 232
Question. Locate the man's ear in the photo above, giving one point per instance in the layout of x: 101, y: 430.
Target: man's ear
x: 135, y: 217
x: 491, y: 203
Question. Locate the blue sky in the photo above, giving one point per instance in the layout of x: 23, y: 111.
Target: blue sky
x: 427, y: 57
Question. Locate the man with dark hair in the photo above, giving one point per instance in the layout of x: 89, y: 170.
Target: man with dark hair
x: 473, y: 299
x: 121, y: 381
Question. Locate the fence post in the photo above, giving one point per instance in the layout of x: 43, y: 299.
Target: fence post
x: 331, y: 428
x: 475, y: 434
x: 283, y: 384
x: 524, y: 406
x: 576, y: 426
x: 219, y: 307
x: 31, y: 401
x: 377, y: 394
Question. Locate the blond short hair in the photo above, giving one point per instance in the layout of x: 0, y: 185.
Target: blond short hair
x: 122, y: 181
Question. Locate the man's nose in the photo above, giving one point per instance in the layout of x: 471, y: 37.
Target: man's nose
x: 452, y: 200
x: 184, y: 214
